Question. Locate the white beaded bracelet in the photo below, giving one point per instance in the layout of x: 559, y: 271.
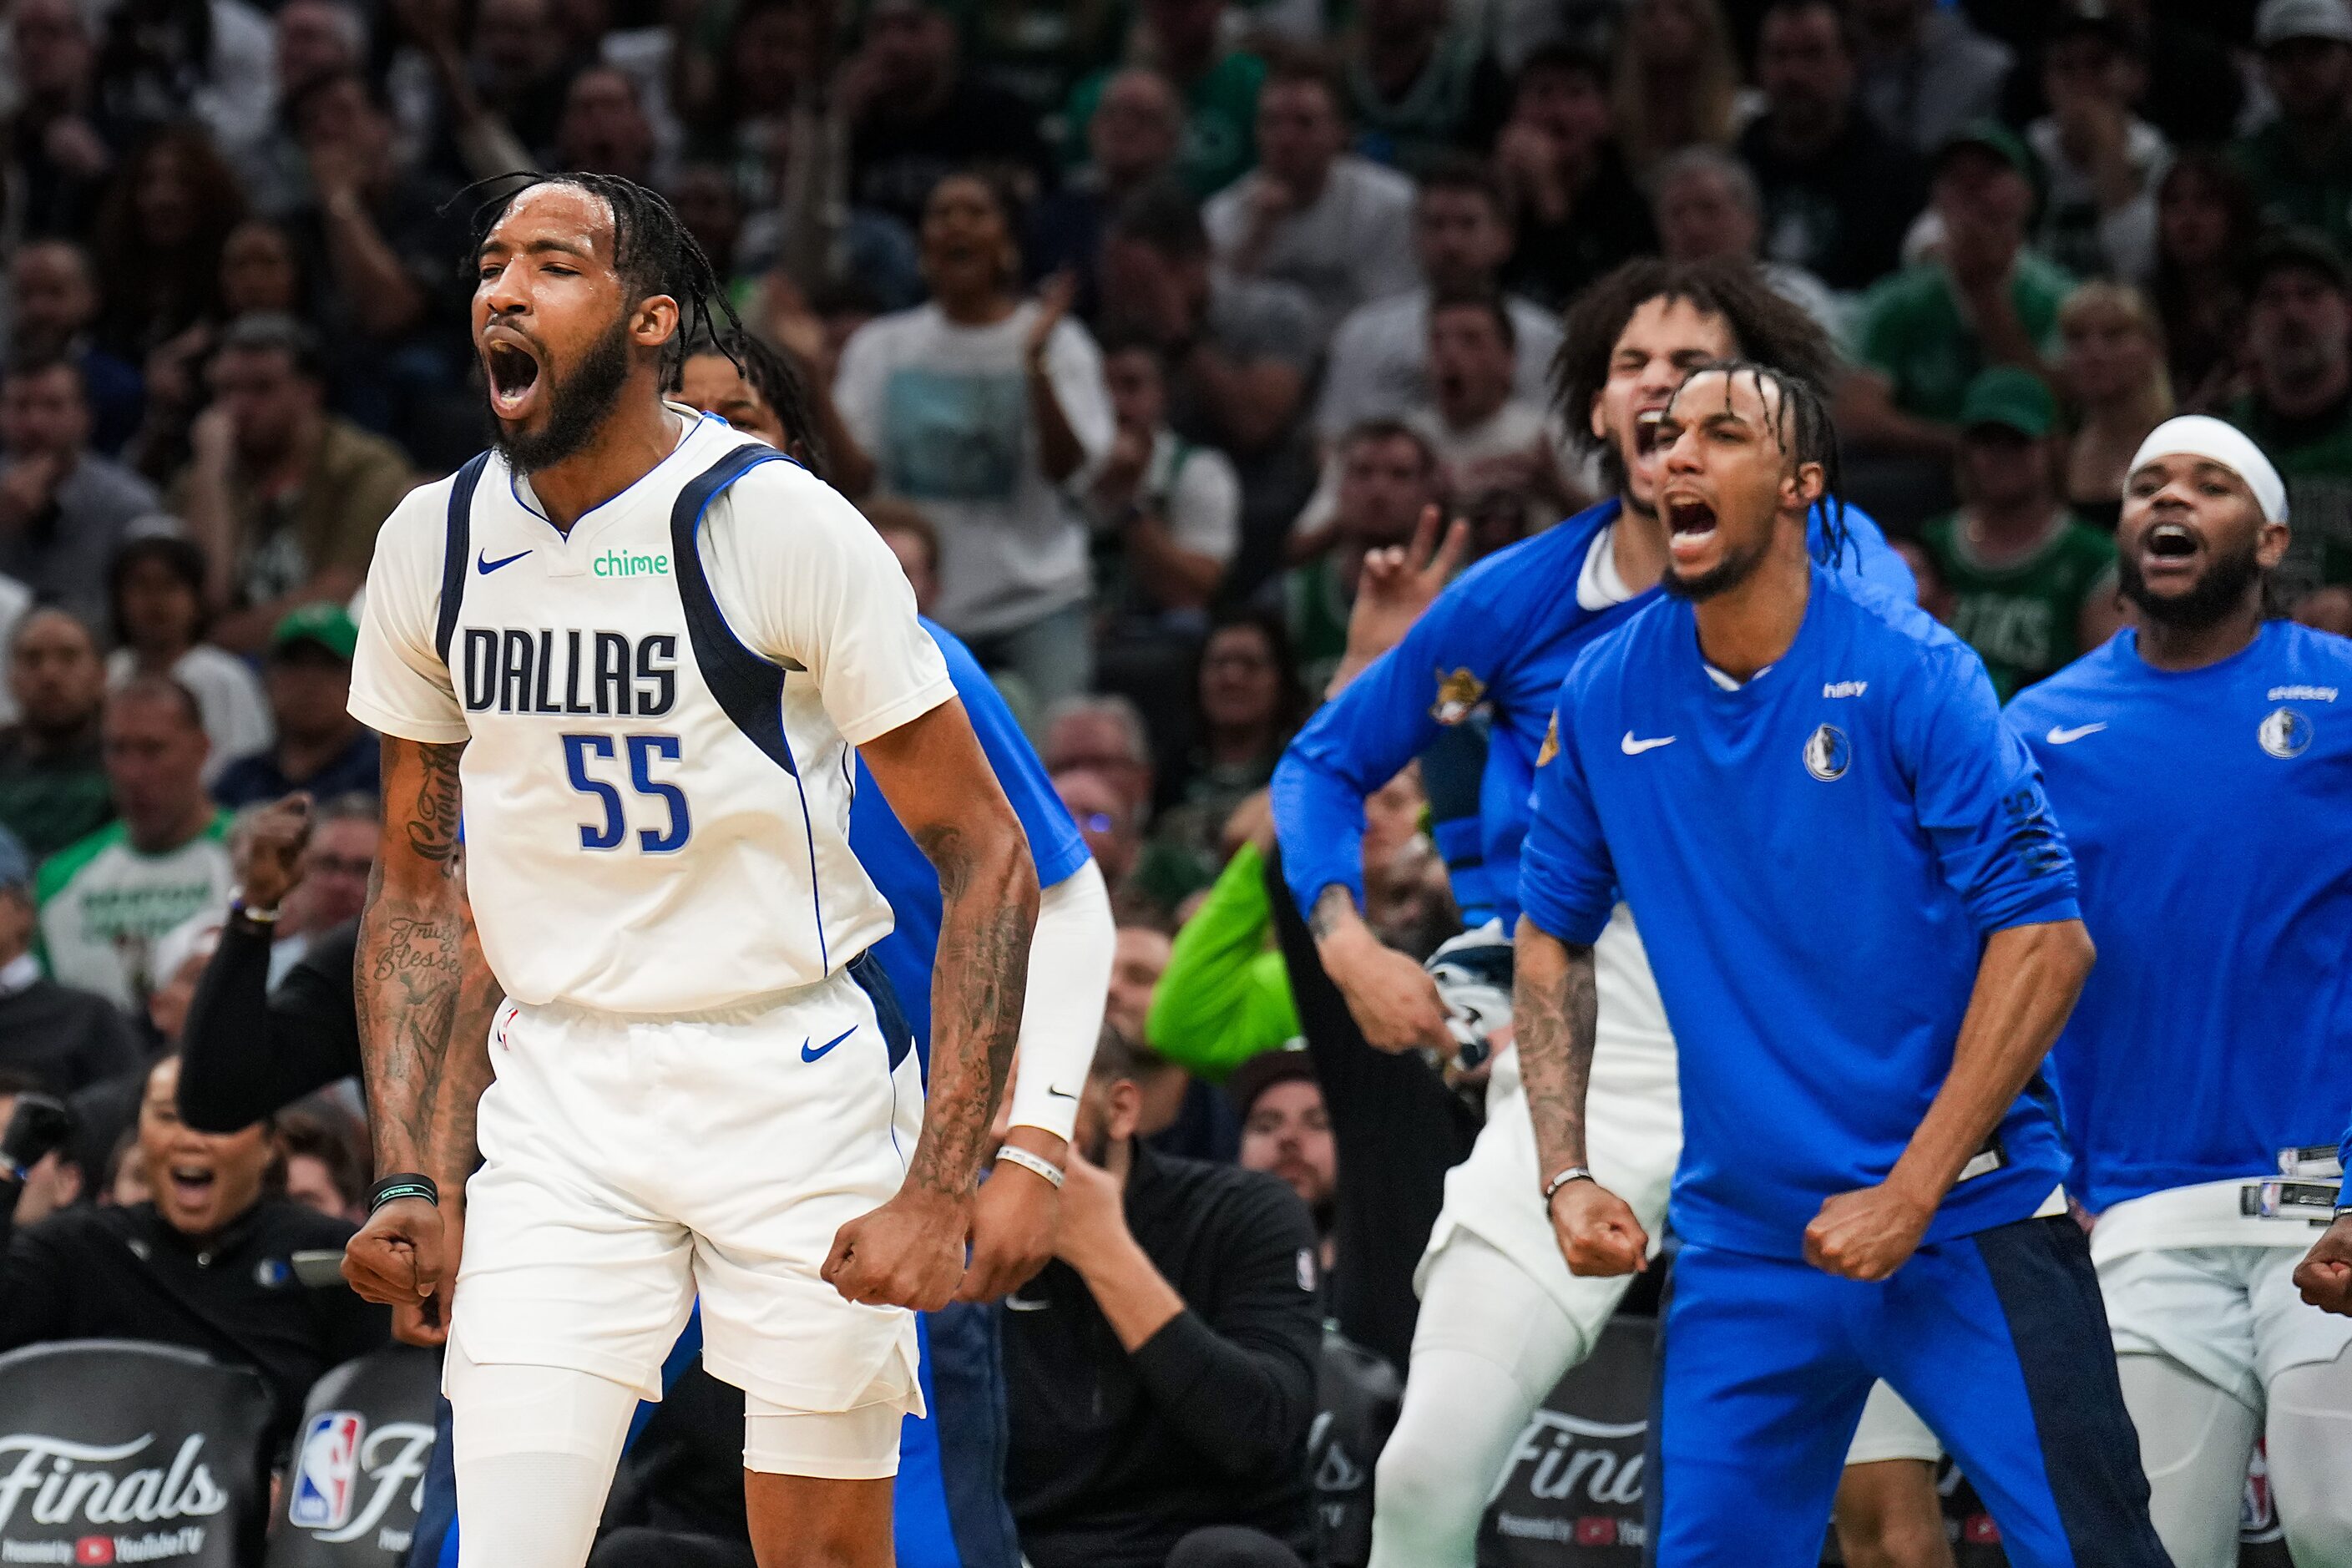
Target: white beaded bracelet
x: 1029, y: 1162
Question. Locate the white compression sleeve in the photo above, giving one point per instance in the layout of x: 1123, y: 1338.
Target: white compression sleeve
x: 1062, y: 1011
x: 534, y: 1448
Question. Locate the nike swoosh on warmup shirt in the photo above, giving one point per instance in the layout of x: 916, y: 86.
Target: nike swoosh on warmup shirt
x: 1634, y: 748
x: 2061, y: 736
x: 1017, y: 1304
x: 485, y: 566
x: 809, y: 1053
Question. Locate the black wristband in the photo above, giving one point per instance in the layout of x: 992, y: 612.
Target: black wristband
x: 406, y: 1184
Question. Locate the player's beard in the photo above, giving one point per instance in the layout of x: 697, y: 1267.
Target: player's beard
x: 2211, y: 599
x: 1735, y: 568
x: 578, y: 404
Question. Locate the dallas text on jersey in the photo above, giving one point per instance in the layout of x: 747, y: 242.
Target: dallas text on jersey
x: 584, y: 672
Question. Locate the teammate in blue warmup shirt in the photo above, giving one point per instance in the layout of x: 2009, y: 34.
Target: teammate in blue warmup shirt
x: 2203, y: 767
x: 1862, y: 923
x: 1502, y: 1321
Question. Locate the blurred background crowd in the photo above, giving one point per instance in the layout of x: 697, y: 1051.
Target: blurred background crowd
x: 1134, y: 325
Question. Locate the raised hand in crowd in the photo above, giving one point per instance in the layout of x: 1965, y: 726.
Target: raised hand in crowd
x: 1399, y: 582
x: 269, y: 851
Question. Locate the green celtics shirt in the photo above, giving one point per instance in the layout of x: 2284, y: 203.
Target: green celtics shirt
x: 104, y: 905
x: 2023, y: 617
x: 1911, y: 329
x: 2315, y: 457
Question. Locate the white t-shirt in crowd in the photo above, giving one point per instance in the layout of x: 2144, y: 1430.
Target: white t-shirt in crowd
x: 1378, y: 365
x: 657, y: 778
x: 227, y: 693
x: 1474, y: 456
x: 1199, y: 496
x: 943, y: 410
x: 1352, y: 243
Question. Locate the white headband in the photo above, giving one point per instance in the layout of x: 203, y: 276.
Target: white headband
x: 2202, y: 436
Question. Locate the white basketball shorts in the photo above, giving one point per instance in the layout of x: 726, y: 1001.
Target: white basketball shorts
x: 631, y: 1164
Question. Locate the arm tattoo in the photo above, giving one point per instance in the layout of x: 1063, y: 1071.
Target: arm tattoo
x: 425, y: 995
x: 990, y: 908
x: 1333, y: 905
x: 1556, y: 1011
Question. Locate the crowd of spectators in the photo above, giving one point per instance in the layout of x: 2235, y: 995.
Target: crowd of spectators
x: 1137, y: 329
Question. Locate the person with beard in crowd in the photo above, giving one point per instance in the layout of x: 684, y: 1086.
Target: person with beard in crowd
x: 53, y: 786
x: 1497, y: 642
x: 53, y: 301
x: 208, y: 1263
x: 1161, y: 1374
x: 2206, y: 1053
x: 2298, y: 402
x: 284, y: 498
x: 1287, y: 1132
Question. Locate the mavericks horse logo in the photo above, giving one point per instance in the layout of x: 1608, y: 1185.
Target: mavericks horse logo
x: 2284, y: 732
x: 1827, y: 755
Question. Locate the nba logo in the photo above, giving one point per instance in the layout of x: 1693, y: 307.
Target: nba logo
x: 326, y: 1470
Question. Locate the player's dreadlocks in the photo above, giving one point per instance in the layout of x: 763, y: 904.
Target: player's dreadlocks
x: 1766, y: 329
x: 652, y: 252
x: 1805, y: 433
x: 775, y: 375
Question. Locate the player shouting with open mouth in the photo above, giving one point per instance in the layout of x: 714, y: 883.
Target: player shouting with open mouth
x: 633, y: 648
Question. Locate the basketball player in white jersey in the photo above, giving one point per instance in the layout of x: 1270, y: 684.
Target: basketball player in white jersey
x: 633, y: 648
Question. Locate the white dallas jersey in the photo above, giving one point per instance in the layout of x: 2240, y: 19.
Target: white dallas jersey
x: 660, y: 710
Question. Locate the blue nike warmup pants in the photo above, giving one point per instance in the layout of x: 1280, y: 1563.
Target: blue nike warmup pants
x: 1997, y: 1340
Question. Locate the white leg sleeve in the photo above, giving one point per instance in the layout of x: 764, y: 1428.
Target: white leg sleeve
x: 2310, y: 1448
x: 2195, y: 1442
x: 534, y: 1450
x: 1490, y: 1345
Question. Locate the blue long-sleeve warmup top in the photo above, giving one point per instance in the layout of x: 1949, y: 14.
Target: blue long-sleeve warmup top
x: 1815, y: 859
x: 1495, y: 644
x: 2210, y: 812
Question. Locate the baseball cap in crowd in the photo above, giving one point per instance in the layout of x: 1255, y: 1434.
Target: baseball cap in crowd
x: 2304, y: 249
x: 2285, y: 21
x: 1990, y: 136
x: 329, y: 626
x: 1254, y: 1077
x: 2007, y: 398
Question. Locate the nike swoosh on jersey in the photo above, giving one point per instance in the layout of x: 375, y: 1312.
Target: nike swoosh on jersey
x: 2061, y: 736
x: 809, y: 1053
x: 1634, y: 748
x: 1017, y: 1304
x: 485, y: 566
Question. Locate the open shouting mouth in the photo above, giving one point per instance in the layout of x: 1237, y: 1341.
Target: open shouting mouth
x: 2169, y: 550
x: 511, y: 362
x: 1690, y: 526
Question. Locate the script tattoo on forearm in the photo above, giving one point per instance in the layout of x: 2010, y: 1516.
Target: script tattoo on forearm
x: 420, y: 980
x: 1556, y: 1010
x: 989, y: 910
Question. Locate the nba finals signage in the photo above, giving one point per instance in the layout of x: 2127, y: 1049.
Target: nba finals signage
x: 357, y: 1476
x: 115, y: 1452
